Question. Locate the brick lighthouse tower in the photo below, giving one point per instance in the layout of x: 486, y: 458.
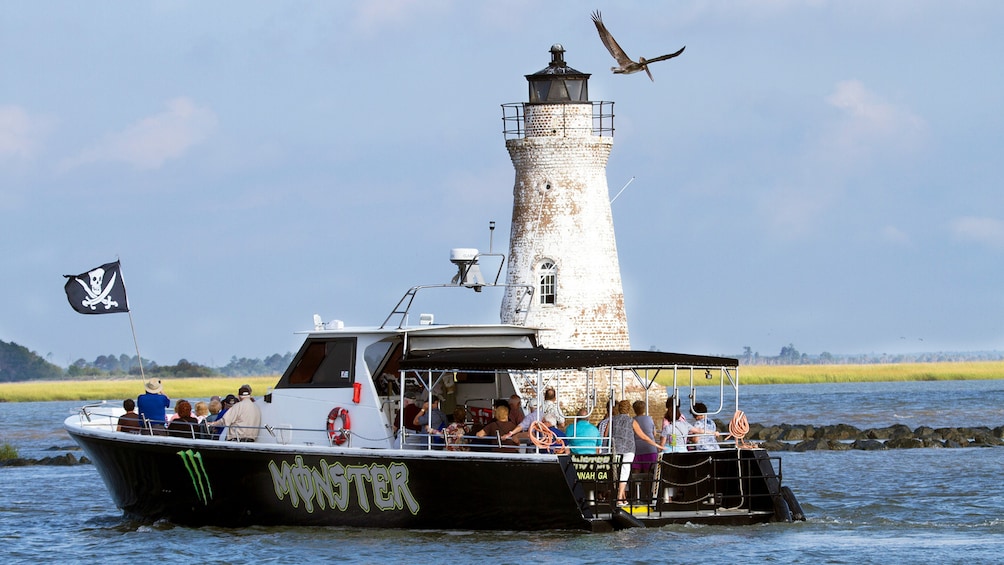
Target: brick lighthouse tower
x: 562, y: 242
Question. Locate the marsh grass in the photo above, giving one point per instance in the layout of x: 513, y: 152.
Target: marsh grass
x: 8, y: 452
x: 118, y: 390
x: 808, y: 374
x: 36, y: 391
x: 804, y: 374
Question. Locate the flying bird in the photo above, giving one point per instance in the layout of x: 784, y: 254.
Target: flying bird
x: 627, y: 66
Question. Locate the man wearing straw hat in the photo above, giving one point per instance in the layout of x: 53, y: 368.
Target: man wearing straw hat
x: 152, y: 406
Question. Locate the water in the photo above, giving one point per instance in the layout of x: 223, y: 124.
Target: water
x: 898, y: 506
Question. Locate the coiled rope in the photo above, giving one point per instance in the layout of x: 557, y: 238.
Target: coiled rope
x: 739, y: 426
x: 544, y: 438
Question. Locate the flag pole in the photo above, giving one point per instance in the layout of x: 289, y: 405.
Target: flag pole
x: 136, y: 343
x: 132, y: 326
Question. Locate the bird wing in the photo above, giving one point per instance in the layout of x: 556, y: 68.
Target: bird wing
x: 664, y: 57
x: 609, y: 41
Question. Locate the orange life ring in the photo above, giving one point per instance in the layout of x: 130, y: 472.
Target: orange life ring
x: 338, y: 436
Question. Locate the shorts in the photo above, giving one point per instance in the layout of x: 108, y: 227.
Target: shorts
x: 626, y: 459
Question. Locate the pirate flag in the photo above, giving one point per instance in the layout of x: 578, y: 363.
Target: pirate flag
x: 98, y: 291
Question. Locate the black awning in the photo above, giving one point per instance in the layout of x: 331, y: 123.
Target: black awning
x: 501, y: 358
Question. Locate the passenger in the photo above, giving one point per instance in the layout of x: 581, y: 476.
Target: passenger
x: 215, y: 406
x: 129, y: 422
x: 431, y: 420
x: 455, y: 432
x: 624, y: 429
x: 675, y: 427
x: 604, y: 425
x: 184, y: 424
x: 228, y: 402
x: 550, y: 407
x: 173, y: 415
x: 522, y: 430
x: 646, y: 454
x: 516, y: 409
x: 243, y: 420
x: 411, y: 409
x: 201, y: 411
x: 501, y: 429
x: 152, y: 406
x: 583, y: 436
x: 704, y: 429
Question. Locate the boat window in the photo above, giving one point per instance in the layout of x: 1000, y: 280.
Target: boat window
x: 382, y: 362
x: 327, y: 363
x: 548, y: 282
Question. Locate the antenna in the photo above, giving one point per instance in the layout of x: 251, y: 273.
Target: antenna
x: 621, y: 190
x: 491, y: 235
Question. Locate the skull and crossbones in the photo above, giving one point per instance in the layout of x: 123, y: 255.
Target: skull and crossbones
x: 96, y: 292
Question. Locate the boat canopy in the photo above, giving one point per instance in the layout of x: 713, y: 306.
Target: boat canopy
x: 539, y: 358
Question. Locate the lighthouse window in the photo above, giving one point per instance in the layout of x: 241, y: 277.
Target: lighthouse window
x: 548, y: 282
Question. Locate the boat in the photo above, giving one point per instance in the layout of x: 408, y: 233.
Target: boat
x: 333, y: 447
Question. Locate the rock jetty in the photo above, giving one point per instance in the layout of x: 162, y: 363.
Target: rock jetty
x: 839, y: 437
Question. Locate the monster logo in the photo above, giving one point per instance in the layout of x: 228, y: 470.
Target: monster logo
x: 331, y: 486
x: 197, y: 472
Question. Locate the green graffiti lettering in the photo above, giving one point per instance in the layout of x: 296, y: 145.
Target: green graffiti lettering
x: 359, y: 476
x: 303, y: 483
x: 330, y: 485
x: 281, y: 481
x: 340, y: 486
x: 383, y: 494
x: 402, y: 494
x: 322, y: 485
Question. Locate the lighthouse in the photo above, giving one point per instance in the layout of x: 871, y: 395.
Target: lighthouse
x: 563, y: 270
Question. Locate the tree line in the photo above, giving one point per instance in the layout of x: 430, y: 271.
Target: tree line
x: 18, y: 363
x: 789, y: 355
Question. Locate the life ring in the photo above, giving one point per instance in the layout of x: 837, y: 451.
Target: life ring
x: 338, y: 436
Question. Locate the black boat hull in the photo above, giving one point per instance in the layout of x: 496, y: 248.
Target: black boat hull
x: 229, y: 484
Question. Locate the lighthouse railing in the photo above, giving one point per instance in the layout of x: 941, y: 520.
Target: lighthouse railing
x: 514, y: 119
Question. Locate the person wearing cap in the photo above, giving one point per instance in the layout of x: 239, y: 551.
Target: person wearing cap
x: 152, y: 406
x: 431, y: 420
x: 243, y: 420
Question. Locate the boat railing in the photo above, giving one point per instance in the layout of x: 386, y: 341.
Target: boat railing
x: 403, y: 307
x: 727, y: 481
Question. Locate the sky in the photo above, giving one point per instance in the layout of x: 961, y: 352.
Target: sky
x: 822, y: 174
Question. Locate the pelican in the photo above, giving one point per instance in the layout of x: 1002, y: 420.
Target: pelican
x: 627, y: 66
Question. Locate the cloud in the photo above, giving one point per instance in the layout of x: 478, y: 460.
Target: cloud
x: 868, y: 124
x: 374, y: 16
x: 21, y: 134
x: 866, y: 130
x: 152, y: 141
x: 892, y: 234
x: 988, y: 231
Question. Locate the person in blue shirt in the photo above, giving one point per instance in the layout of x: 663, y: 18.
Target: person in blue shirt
x: 583, y: 436
x: 558, y: 445
x: 152, y: 407
x: 704, y: 429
